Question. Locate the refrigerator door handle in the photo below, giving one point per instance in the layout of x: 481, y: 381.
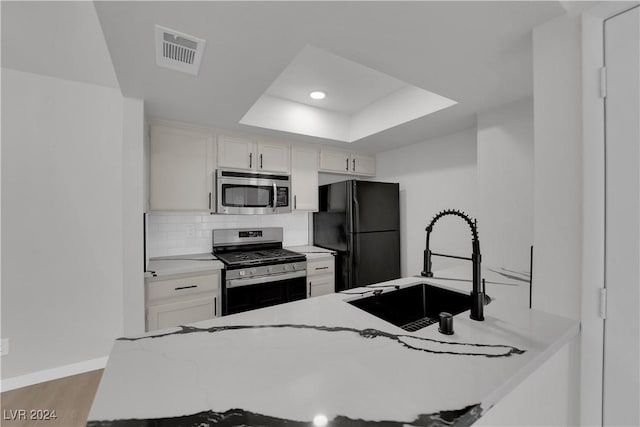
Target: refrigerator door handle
x: 356, y: 211
x: 356, y: 259
x: 351, y: 245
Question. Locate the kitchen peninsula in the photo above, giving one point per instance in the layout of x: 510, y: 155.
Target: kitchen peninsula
x: 322, y: 361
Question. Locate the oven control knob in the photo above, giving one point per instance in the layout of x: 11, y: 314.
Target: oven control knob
x: 253, y: 271
x: 242, y: 272
x: 269, y: 269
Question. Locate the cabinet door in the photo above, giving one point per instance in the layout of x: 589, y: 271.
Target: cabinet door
x: 304, y: 178
x: 180, y: 169
x: 236, y: 152
x: 272, y: 157
x: 363, y: 165
x: 180, y: 313
x: 334, y: 161
x: 321, y: 285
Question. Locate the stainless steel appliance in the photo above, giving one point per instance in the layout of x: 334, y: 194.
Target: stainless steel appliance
x: 360, y: 220
x: 257, y: 271
x: 240, y: 192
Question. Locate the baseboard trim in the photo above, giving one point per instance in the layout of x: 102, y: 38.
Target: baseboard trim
x: 52, y: 374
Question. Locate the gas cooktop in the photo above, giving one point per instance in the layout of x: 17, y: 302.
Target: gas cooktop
x: 259, y: 256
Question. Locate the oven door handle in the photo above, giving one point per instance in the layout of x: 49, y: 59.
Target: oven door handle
x: 236, y: 283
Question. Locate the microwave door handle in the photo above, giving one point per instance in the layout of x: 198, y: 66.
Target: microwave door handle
x: 275, y: 196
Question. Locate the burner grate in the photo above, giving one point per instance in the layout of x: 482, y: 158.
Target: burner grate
x: 416, y: 325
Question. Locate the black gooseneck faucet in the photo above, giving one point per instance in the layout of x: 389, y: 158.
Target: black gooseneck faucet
x: 477, y: 294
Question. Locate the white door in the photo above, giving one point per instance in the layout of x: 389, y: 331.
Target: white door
x: 622, y: 224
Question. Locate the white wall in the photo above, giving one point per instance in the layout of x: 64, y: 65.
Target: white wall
x: 62, y: 221
x: 434, y: 175
x: 505, y: 185
x: 558, y: 177
x: 557, y: 72
x: 133, y: 198
x: 170, y: 234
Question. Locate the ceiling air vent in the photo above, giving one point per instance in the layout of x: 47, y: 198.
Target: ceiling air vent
x: 178, y: 51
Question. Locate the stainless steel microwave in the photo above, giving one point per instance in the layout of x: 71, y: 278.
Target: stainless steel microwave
x: 239, y: 192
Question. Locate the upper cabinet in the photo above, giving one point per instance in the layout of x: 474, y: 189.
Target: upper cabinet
x: 304, y: 178
x: 235, y: 152
x: 243, y: 153
x: 346, y: 162
x: 272, y: 156
x: 181, y: 166
x: 183, y: 159
x: 363, y: 165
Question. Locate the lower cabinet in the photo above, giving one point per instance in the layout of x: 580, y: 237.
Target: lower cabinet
x: 162, y: 316
x: 321, y: 276
x: 181, y: 299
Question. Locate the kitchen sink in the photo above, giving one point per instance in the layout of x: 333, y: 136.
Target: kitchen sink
x: 413, y: 307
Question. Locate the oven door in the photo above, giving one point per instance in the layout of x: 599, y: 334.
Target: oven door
x: 252, y: 193
x: 240, y: 295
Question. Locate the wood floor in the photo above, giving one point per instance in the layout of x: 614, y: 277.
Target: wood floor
x: 70, y: 397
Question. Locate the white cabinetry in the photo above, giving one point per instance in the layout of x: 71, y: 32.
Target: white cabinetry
x: 181, y: 299
x: 181, y: 165
x: 272, y: 156
x: 345, y: 162
x: 363, y: 165
x: 304, y: 178
x: 235, y: 152
x: 321, y: 276
x: 244, y: 153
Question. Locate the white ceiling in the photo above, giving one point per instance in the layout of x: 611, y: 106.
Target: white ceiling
x: 360, y: 101
x: 350, y: 87
x: 36, y: 37
x: 477, y: 53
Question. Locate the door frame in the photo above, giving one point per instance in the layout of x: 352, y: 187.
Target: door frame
x: 593, y: 233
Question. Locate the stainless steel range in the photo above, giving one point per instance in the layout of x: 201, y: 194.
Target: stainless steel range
x: 258, y: 272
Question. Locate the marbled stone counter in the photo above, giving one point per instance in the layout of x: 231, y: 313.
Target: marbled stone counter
x: 322, y: 361
x: 182, y: 264
x: 311, y: 252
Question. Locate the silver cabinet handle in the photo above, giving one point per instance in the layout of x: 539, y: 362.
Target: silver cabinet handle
x: 179, y: 288
x: 354, y: 165
x: 260, y: 161
x: 250, y: 160
x: 295, y: 204
x: 347, y: 164
x: 209, y: 199
x: 322, y: 268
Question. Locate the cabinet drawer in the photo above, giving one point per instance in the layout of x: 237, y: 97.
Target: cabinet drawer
x: 321, y: 285
x: 163, y: 316
x: 320, y: 266
x: 184, y: 286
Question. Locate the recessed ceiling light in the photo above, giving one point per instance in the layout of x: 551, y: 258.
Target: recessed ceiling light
x: 317, y: 94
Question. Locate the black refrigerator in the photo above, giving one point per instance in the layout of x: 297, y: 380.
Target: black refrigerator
x: 360, y: 220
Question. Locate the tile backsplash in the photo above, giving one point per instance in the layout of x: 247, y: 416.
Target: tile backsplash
x: 177, y: 234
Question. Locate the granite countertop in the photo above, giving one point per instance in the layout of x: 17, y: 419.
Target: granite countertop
x: 182, y: 264
x: 196, y: 263
x: 322, y: 359
x: 311, y: 252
